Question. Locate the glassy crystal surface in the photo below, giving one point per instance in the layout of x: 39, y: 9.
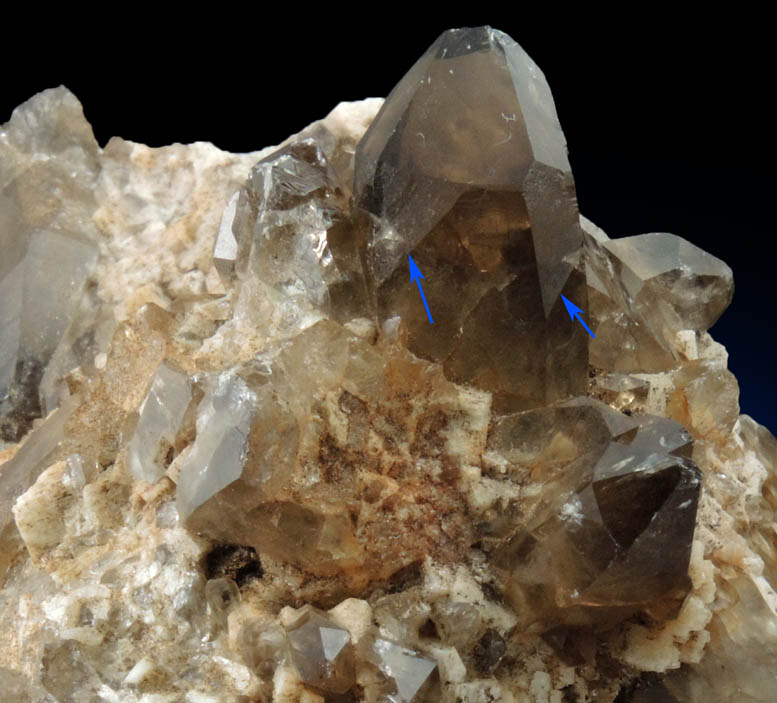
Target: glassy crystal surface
x: 407, y: 671
x: 266, y: 476
x: 614, y: 535
x: 20, y: 472
x: 290, y: 471
x: 466, y: 168
x: 643, y: 291
x: 291, y: 229
x: 665, y: 275
x: 47, y: 243
x: 161, y: 417
x: 321, y: 652
x: 225, y: 249
x: 217, y: 456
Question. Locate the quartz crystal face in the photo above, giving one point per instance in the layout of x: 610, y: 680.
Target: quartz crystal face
x: 484, y: 201
x: 251, y: 468
x: 646, y: 289
x: 161, y: 420
x: 615, y: 535
x: 48, y: 244
x: 329, y: 421
x: 408, y: 673
x: 290, y: 228
x: 321, y: 652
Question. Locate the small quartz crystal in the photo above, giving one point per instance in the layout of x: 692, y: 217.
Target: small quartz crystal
x: 646, y: 289
x: 321, y: 652
x: 408, y: 672
x: 216, y: 458
x: 161, y: 418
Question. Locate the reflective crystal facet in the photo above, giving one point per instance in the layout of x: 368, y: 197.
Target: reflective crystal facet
x: 239, y: 411
x: 217, y: 456
x: 466, y: 167
x: 407, y: 671
x: 20, y: 472
x: 321, y: 652
x: 47, y: 243
x: 665, y: 275
x: 291, y: 230
x: 613, y: 535
x: 161, y: 417
x: 643, y: 291
x: 290, y: 470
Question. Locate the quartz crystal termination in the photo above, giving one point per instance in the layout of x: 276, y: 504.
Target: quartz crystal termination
x: 272, y: 483
x: 503, y: 226
x: 613, y: 535
x: 48, y: 246
x: 466, y: 168
x: 646, y: 290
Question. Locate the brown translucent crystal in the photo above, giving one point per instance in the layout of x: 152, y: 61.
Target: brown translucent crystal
x: 323, y: 457
x: 213, y: 447
x: 321, y: 652
x: 466, y: 168
x: 643, y: 290
x: 612, y: 532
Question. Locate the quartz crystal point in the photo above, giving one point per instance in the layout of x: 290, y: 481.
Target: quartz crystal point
x: 408, y: 672
x: 290, y: 228
x: 161, y: 419
x: 284, y: 472
x: 217, y: 457
x: 466, y: 168
x: 665, y: 284
x: 47, y: 243
x: 614, y: 536
x: 321, y: 652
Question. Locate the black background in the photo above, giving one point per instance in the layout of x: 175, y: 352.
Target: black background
x: 668, y: 119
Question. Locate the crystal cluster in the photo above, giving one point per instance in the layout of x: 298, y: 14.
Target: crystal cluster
x: 238, y: 463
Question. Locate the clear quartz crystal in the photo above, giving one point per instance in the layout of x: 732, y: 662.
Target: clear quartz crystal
x: 407, y: 671
x: 161, y: 418
x: 217, y: 456
x: 48, y: 242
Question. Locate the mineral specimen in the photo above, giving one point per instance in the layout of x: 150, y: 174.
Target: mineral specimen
x: 239, y: 464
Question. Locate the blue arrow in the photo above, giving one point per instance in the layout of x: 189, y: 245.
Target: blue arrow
x: 416, y: 275
x: 574, y: 312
